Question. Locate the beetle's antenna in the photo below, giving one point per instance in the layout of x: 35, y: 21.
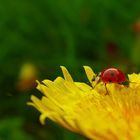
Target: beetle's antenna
x: 97, y: 79
x: 96, y: 83
x: 128, y: 82
x: 131, y: 82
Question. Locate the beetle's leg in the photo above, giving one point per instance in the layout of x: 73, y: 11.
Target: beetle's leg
x: 107, y: 93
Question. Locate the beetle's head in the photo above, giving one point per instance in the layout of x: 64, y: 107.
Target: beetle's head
x: 96, y: 77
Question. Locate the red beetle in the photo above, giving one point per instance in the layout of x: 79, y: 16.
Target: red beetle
x: 110, y: 75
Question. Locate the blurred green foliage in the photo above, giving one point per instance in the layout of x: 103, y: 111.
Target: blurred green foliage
x: 50, y: 33
x: 11, y: 129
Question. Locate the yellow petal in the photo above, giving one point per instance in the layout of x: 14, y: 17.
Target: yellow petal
x: 42, y: 118
x: 134, y: 78
x: 86, y: 110
x: 66, y: 74
x: 83, y: 86
x: 90, y: 74
x: 38, y: 104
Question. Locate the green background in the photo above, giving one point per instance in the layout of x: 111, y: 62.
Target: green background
x: 50, y: 33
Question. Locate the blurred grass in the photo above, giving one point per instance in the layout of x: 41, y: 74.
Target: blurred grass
x: 50, y: 33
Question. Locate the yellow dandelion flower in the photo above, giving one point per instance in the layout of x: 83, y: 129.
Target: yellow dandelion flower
x: 87, y: 111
